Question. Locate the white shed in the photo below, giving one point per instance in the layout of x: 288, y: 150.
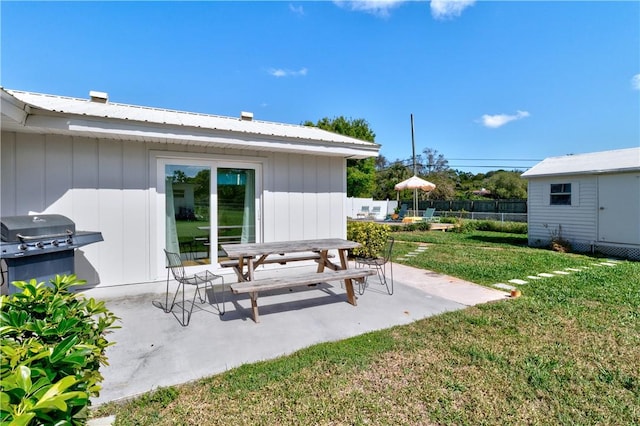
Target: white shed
x: 591, y: 200
x: 150, y: 178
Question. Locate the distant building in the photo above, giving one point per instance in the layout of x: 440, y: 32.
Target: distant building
x: 590, y: 200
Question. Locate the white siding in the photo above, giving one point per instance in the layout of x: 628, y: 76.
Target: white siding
x: 577, y: 222
x: 109, y: 186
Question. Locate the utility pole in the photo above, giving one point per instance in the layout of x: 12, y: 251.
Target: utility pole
x: 413, y: 147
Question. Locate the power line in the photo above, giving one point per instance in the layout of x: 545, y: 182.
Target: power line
x: 487, y: 166
x: 493, y: 159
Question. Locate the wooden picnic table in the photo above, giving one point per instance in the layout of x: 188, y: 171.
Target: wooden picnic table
x: 252, y: 255
x: 247, y: 257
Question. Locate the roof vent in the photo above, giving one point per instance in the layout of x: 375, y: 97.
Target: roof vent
x: 246, y: 116
x: 100, y: 97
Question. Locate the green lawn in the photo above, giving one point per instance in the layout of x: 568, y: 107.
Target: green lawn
x: 567, y: 352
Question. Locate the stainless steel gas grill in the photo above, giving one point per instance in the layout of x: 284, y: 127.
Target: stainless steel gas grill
x: 40, y: 247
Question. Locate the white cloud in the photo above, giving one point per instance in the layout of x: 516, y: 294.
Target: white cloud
x: 279, y: 72
x: 499, y: 120
x: 296, y: 9
x: 635, y: 82
x: 444, y: 9
x: 375, y: 7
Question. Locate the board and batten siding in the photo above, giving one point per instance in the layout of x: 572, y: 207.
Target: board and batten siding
x: 106, y: 185
x: 577, y: 222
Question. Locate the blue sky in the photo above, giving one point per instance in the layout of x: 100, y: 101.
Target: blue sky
x: 489, y: 83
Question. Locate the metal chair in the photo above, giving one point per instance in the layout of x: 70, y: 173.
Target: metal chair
x: 380, y: 263
x: 174, y: 263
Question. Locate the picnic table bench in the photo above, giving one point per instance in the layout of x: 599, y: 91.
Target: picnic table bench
x: 307, y: 278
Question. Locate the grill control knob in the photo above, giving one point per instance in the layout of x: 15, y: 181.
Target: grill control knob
x: 22, y: 247
x: 39, y: 244
x: 55, y: 243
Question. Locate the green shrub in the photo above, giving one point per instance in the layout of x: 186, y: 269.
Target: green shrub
x: 371, y: 235
x: 52, y: 345
x: 469, y: 225
x: 418, y: 226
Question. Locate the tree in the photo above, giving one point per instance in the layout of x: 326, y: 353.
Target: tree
x: 387, y: 178
x: 361, y: 176
x: 506, y: 185
x: 445, y: 186
x: 434, y: 161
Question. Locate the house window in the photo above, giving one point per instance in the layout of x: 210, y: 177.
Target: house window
x: 560, y: 194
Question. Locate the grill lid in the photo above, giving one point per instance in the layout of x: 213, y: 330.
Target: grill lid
x: 20, y: 228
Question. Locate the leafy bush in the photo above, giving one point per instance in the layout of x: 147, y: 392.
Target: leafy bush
x: 52, y: 344
x: 418, y: 226
x: 371, y: 235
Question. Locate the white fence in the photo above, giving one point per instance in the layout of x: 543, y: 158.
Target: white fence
x: 368, y: 208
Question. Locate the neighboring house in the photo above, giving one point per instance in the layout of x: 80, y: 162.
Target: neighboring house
x: 150, y: 178
x: 590, y: 200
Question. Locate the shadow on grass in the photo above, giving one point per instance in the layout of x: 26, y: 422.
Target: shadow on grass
x: 518, y: 241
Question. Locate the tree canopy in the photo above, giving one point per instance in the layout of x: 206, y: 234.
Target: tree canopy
x: 376, y: 177
x: 361, y: 174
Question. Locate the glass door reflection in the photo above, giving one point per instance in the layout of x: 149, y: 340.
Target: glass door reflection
x: 188, y: 215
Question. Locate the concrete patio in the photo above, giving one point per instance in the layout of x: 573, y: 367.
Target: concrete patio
x: 153, y: 350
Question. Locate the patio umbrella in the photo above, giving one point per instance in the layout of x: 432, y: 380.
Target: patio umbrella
x: 415, y: 183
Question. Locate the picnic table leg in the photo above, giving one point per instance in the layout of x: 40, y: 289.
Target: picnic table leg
x: 254, y: 306
x: 324, y: 258
x: 351, y: 296
x: 250, y: 269
x: 348, y: 283
x: 343, y: 259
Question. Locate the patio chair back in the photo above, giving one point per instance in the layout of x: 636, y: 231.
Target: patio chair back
x: 380, y: 264
x: 429, y: 217
x: 174, y: 262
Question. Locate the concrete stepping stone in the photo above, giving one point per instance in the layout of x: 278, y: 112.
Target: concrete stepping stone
x: 517, y: 281
x: 607, y: 264
x: 573, y: 269
x: 562, y: 272
x: 533, y: 277
x: 545, y: 275
x: 504, y: 286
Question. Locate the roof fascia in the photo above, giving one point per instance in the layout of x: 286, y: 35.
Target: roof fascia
x: 13, y: 108
x: 116, y: 129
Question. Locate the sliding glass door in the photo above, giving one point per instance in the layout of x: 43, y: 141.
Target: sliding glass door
x: 208, y: 203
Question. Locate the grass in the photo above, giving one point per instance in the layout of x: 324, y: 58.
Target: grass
x: 567, y: 352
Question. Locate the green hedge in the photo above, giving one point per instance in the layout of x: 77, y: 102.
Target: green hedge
x: 371, y: 235
x: 52, y: 344
x: 469, y: 225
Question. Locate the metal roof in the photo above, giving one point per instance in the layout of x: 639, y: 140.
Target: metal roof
x: 619, y: 160
x: 51, y: 113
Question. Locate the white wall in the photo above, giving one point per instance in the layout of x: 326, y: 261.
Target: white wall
x: 576, y: 222
x: 105, y: 185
